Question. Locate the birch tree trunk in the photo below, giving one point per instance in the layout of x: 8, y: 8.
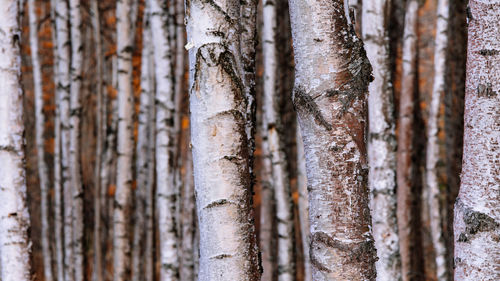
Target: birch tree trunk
x: 406, y: 195
x: 62, y: 54
x: 58, y: 200
x: 100, y: 112
x: 188, y: 222
x: 166, y: 195
x: 303, y: 205
x: 273, y: 131
x: 331, y: 82
x: 477, y: 220
x: 436, y: 198
x: 381, y: 140
x: 143, y: 162
x: 43, y: 173
x: 75, y: 111
x: 125, y: 148
x: 228, y: 247
x: 14, y: 217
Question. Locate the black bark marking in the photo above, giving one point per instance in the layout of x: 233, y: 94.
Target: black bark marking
x: 218, y: 203
x: 486, y: 90
x: 476, y: 222
x: 305, y: 103
x: 221, y: 256
x: 488, y: 52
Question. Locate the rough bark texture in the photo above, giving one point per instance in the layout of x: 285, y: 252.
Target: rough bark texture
x: 436, y: 196
x: 477, y: 220
x: 14, y: 217
x: 228, y: 248
x: 331, y: 82
x: 165, y: 142
x: 407, y: 196
x: 274, y: 142
x: 75, y: 112
x: 125, y: 148
x: 303, y: 205
x: 43, y: 173
x: 382, y: 140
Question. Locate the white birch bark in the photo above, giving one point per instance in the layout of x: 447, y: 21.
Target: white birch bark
x: 381, y: 140
x: 273, y: 130
x: 331, y: 82
x: 74, y: 150
x: 477, y: 216
x: 58, y: 200
x: 436, y: 198
x: 143, y: 162
x: 100, y: 125
x: 228, y: 248
x: 43, y: 174
x: 62, y: 55
x: 14, y: 217
x: 188, y: 222
x: 166, y: 194
x: 267, y: 235
x: 303, y: 205
x: 125, y: 148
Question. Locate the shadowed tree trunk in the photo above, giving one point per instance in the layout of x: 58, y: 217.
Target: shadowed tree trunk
x: 477, y: 220
x: 43, y: 173
x: 303, y: 205
x: 331, y: 82
x: 14, y: 217
x: 382, y: 140
x: 219, y: 103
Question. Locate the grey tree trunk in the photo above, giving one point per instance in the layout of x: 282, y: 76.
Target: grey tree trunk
x: 381, y: 140
x: 331, y: 82
x: 14, y: 217
x: 228, y: 246
x: 477, y: 220
x: 43, y: 173
x: 303, y: 205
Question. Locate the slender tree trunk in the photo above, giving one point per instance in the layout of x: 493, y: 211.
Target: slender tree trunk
x: 125, y: 148
x: 382, y: 140
x: 14, y: 217
x: 407, y: 215
x: 188, y: 221
x: 43, y: 173
x: 273, y: 131
x: 165, y: 142
x: 303, y: 205
x: 477, y: 220
x: 63, y: 80
x: 58, y: 200
x: 436, y: 197
x: 331, y: 82
x: 228, y: 247
x: 100, y: 112
x: 267, y: 237
x: 75, y: 111
x: 143, y: 162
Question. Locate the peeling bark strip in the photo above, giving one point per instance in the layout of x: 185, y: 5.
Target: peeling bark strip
x: 436, y: 197
x: 477, y: 220
x: 14, y: 217
x: 228, y: 249
x: 331, y: 82
x: 274, y: 150
x: 166, y: 194
x: 43, y: 173
x: 125, y: 149
x: 381, y: 139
